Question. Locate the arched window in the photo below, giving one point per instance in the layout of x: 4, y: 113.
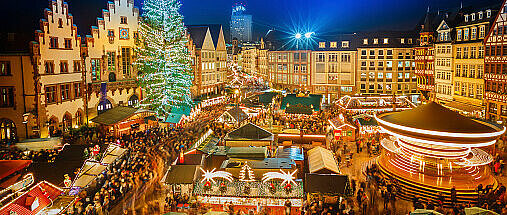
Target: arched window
x: 67, y: 122
x: 104, y: 105
x: 79, y: 118
x: 133, y: 100
x: 7, y: 130
x: 53, y: 125
x: 112, y: 77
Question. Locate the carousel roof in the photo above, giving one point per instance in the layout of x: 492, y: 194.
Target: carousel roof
x: 435, y: 117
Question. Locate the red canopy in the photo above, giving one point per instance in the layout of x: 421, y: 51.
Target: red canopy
x: 32, y: 201
x: 7, y: 167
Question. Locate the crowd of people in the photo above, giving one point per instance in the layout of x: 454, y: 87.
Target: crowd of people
x: 44, y: 155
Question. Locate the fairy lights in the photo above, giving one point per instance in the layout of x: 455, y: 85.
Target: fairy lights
x: 211, y: 175
x: 287, y: 177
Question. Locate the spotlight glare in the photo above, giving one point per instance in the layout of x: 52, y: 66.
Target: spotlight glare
x: 298, y: 35
x: 309, y: 34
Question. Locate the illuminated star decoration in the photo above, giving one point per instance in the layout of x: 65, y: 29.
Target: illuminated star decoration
x: 211, y: 175
x: 287, y: 177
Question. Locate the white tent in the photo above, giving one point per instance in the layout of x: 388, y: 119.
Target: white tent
x: 321, y: 160
x: 88, y: 173
x: 112, y: 153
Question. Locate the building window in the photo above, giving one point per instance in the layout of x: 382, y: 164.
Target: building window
x: 95, y: 69
x: 465, y: 34
x: 333, y: 58
x: 6, y: 97
x: 465, y: 53
x: 481, y: 14
x: 77, y: 90
x: 60, y: 23
x: 482, y: 31
x: 375, y: 41
x: 103, y: 106
x: 321, y: 57
x: 126, y: 61
x: 471, y: 74
x: 386, y: 40
x: 480, y: 71
x: 65, y: 91
x: 345, y: 44
x: 322, y: 45
x: 473, y: 16
x: 53, y: 42
x: 346, y: 58
x: 77, y: 66
x: 458, y: 70
x: 68, y: 43
x: 481, y: 52
x: 64, y: 67
x: 133, y: 100
x: 488, y: 13
x: 459, y: 34
x: 5, y: 68
x: 466, y: 18
x: 111, y: 61
x: 123, y: 20
x: 49, y: 67
x: 333, y: 45
x: 51, y: 94
x: 473, y: 51
x: 124, y: 33
x: 474, y: 33
x: 402, y: 40
x: 458, y: 53
x: 365, y: 41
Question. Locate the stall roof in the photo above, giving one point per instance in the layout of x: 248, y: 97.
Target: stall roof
x: 174, y: 118
x: 267, y: 163
x: 247, y: 152
x: 44, y: 192
x: 249, y: 132
x: 237, y: 114
x: 327, y: 184
x: 112, y: 153
x: 293, y: 153
x: 116, y: 114
x: 88, y: 173
x: 181, y: 174
x: 321, y: 160
x: 7, y: 167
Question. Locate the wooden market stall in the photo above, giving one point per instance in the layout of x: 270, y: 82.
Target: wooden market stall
x: 123, y: 120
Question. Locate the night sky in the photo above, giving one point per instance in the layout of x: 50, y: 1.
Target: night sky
x: 321, y: 16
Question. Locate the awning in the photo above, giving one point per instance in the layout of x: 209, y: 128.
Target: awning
x: 181, y: 174
x: 249, y: 132
x: 321, y: 160
x: 174, y: 118
x: 462, y: 107
x: 88, y: 173
x: 117, y: 114
x: 7, y: 167
x: 327, y: 184
x: 112, y: 153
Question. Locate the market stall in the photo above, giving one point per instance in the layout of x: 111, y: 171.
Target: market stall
x: 322, y: 161
x: 249, y: 135
x: 369, y: 104
x: 87, y: 174
x: 123, y: 120
x: 33, y: 200
x: 112, y: 153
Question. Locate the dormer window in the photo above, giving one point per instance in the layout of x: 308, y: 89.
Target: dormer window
x: 333, y: 44
x: 466, y: 18
x: 402, y: 40
x: 386, y: 40
x: 375, y: 41
x: 345, y: 44
x: 488, y: 13
x: 365, y: 41
x: 481, y: 14
x: 473, y: 16
x: 409, y: 40
x: 322, y: 45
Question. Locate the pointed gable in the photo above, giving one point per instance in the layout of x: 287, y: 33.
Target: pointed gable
x: 499, y: 20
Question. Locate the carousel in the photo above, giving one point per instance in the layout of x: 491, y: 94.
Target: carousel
x: 432, y: 150
x: 363, y: 104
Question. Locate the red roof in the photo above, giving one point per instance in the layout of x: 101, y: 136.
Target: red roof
x: 33, y: 201
x: 7, y: 167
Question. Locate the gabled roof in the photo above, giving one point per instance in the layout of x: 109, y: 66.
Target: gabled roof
x: 7, y: 167
x: 321, y: 160
x: 238, y: 114
x: 249, y: 132
x: 181, y: 174
x: 328, y: 184
x: 197, y: 33
x: 115, y: 115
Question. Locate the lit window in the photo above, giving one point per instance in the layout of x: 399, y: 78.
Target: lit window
x: 473, y: 16
x: 480, y: 15
x: 488, y: 14
x: 386, y: 40
x: 402, y: 41
x: 466, y: 18
x: 365, y: 41
x: 333, y: 45
x: 345, y: 44
x: 375, y: 41
x: 322, y: 45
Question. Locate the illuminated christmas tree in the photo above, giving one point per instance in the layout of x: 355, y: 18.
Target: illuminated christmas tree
x: 162, y: 57
x: 246, y: 174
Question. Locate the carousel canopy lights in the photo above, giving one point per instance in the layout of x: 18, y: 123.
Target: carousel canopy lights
x: 309, y: 34
x: 298, y: 36
x: 211, y: 175
x: 287, y: 177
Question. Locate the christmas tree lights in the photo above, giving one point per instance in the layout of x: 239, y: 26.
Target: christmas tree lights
x: 162, y: 57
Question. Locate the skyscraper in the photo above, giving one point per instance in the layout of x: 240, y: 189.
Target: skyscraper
x: 241, y: 24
